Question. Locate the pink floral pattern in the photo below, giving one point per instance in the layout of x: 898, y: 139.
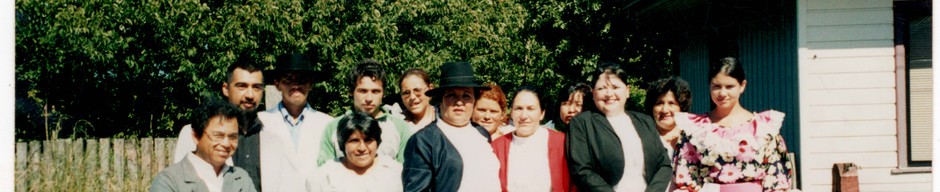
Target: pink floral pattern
x: 750, y: 152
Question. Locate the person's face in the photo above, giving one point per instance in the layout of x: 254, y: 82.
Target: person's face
x: 294, y: 89
x: 725, y: 91
x: 526, y: 113
x: 412, y: 94
x: 664, y: 109
x: 360, y: 151
x: 245, y: 89
x: 611, y: 94
x: 457, y: 106
x: 571, y: 107
x: 219, y: 140
x: 367, y: 96
x: 488, y: 114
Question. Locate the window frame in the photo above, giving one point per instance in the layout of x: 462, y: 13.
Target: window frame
x: 903, y: 11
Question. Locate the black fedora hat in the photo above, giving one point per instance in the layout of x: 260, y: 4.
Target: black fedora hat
x: 456, y: 74
x: 296, y: 63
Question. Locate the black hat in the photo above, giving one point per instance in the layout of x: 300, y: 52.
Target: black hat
x: 456, y: 74
x: 292, y: 63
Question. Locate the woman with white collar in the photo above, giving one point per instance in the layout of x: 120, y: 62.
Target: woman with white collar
x: 532, y: 158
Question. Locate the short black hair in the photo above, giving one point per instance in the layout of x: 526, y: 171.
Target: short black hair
x: 587, y: 100
x: 245, y: 62
x: 357, y: 121
x: 610, y: 68
x: 367, y: 68
x: 212, y: 108
x: 679, y: 88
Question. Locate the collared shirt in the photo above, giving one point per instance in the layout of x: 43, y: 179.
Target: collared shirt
x: 382, y: 176
x: 633, y: 163
x: 528, y: 168
x: 292, y: 125
x: 205, y: 172
x: 480, y: 166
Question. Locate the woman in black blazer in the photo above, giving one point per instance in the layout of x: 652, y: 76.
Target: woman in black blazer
x: 612, y: 149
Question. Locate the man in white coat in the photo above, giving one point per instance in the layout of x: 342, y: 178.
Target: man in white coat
x: 290, y: 140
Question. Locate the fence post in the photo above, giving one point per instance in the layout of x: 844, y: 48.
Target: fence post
x: 35, y: 177
x: 104, y: 159
x: 132, y: 180
x: 21, y: 160
x: 47, y: 165
x: 146, y: 162
x: 159, y: 155
x: 60, y: 165
x: 76, y: 157
x: 118, y: 165
x: 91, y: 160
x: 170, y: 147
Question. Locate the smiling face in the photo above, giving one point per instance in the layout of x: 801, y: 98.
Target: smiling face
x: 367, y: 96
x: 571, y: 107
x: 726, y: 91
x: 412, y: 95
x: 664, y: 109
x: 611, y: 94
x: 488, y: 114
x: 457, y: 106
x: 245, y: 89
x: 294, y: 89
x: 218, y: 142
x: 526, y: 113
x: 360, y: 151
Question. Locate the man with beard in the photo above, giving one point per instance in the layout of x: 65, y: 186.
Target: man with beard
x: 292, y: 131
x: 244, y: 88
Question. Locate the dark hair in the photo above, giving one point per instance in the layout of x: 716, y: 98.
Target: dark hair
x: 679, y: 88
x: 367, y: 68
x: 586, y: 98
x: 357, y: 121
x: 414, y: 71
x: 534, y: 91
x: 243, y: 62
x: 212, y: 108
x: 728, y: 66
x: 610, y: 68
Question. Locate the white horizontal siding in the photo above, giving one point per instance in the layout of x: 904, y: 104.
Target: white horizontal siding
x: 848, y: 94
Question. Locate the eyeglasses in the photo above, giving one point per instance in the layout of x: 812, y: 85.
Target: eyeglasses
x: 417, y: 91
x: 219, y: 137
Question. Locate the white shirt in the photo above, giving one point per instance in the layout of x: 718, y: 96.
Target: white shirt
x: 480, y: 166
x: 206, y: 173
x: 384, y: 175
x: 633, y: 172
x: 527, y: 168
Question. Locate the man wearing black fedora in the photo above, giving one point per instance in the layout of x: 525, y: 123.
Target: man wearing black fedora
x: 452, y: 154
x: 292, y: 130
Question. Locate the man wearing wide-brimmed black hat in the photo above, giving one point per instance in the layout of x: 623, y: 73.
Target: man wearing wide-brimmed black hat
x: 452, y: 154
x: 292, y: 130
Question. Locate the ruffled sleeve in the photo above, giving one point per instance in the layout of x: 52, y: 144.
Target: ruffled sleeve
x: 769, y: 122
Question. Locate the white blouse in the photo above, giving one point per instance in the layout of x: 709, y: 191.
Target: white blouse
x: 527, y: 168
x: 480, y: 166
x: 633, y: 161
x: 384, y: 175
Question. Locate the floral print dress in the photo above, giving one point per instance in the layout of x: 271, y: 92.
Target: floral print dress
x: 751, y: 152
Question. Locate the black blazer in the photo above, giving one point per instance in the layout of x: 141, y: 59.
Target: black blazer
x: 432, y: 163
x: 595, y: 155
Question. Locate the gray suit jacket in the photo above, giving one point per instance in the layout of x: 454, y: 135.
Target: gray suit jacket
x: 181, y: 177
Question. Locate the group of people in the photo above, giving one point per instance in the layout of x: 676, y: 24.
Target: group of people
x: 458, y: 136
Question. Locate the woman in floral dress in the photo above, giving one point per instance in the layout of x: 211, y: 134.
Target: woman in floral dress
x: 731, y: 148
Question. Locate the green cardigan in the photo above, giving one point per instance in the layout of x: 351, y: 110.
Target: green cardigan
x: 329, y: 151
x: 595, y: 155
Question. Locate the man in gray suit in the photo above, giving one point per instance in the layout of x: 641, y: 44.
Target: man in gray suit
x: 215, y: 130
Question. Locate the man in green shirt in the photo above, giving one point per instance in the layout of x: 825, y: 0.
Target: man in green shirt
x: 367, y: 81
